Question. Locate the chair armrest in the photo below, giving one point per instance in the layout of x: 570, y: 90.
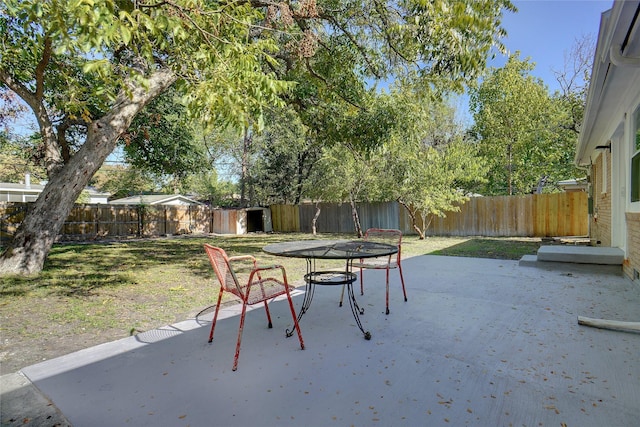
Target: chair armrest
x: 242, y: 258
x: 257, y: 270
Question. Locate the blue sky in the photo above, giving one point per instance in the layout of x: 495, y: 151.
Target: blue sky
x: 546, y: 30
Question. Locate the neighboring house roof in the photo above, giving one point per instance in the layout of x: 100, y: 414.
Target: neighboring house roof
x: 579, y: 184
x: 10, y: 186
x: 12, y: 192
x: 155, y: 199
x: 615, y: 71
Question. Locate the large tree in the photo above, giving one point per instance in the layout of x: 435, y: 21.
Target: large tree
x: 429, y: 165
x: 521, y: 130
x: 86, y: 69
x: 286, y: 155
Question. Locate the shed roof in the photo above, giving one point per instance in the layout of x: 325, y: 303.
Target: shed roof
x: 155, y: 199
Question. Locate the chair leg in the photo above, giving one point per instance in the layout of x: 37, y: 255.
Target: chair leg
x: 266, y: 308
x: 296, y: 324
x: 240, y: 330
x: 361, y: 282
x: 341, y: 296
x: 404, y: 291
x: 387, y: 292
x: 215, y: 315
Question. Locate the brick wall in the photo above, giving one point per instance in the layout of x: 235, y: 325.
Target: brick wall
x: 601, y: 218
x: 633, y: 244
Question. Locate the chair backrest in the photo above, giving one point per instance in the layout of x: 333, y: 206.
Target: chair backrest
x: 220, y: 263
x: 389, y: 236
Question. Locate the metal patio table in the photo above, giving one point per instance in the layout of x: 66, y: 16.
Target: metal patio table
x: 348, y: 250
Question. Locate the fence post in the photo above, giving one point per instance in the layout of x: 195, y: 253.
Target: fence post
x: 139, y: 209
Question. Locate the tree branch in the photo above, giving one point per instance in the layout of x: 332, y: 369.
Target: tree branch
x: 329, y: 85
x: 53, y: 158
x: 359, y: 48
x: 41, y: 67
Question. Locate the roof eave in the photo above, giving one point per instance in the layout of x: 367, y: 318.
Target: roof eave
x: 615, y: 25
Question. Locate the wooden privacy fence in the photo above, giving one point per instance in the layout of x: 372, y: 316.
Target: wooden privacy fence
x: 95, y: 222
x: 536, y: 215
x: 543, y: 215
x: 91, y: 222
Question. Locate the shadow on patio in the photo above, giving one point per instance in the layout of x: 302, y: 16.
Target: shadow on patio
x: 480, y: 342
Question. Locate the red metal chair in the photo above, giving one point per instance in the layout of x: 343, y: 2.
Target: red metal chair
x: 257, y: 289
x: 391, y: 237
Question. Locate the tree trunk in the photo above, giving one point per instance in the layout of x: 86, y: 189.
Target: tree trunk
x: 541, y: 183
x: 414, y: 222
x: 34, y: 238
x: 314, y: 221
x: 356, y: 218
x: 246, y: 145
x: 510, y: 168
x: 425, y: 225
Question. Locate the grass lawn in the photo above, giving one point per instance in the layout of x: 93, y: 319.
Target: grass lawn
x: 94, y: 293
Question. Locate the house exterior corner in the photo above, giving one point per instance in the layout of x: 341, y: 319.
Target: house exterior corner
x: 609, y: 142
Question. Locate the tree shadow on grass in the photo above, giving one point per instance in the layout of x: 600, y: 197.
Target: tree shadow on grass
x: 510, y: 249
x: 82, y: 269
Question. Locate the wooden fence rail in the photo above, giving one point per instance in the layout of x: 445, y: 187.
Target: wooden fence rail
x: 561, y: 214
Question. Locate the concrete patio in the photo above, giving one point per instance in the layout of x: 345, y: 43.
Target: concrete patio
x: 480, y: 342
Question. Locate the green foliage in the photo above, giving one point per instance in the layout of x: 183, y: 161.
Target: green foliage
x: 161, y: 141
x: 17, y: 157
x: 286, y: 152
x: 429, y: 166
x: 121, y: 181
x: 93, y: 50
x: 520, y: 131
x: 207, y: 187
x: 433, y: 46
x: 84, y: 197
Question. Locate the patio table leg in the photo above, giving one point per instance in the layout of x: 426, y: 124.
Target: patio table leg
x: 309, y: 289
x: 355, y: 308
x: 313, y: 277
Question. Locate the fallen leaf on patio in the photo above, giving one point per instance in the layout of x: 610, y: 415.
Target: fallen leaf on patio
x: 182, y: 417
